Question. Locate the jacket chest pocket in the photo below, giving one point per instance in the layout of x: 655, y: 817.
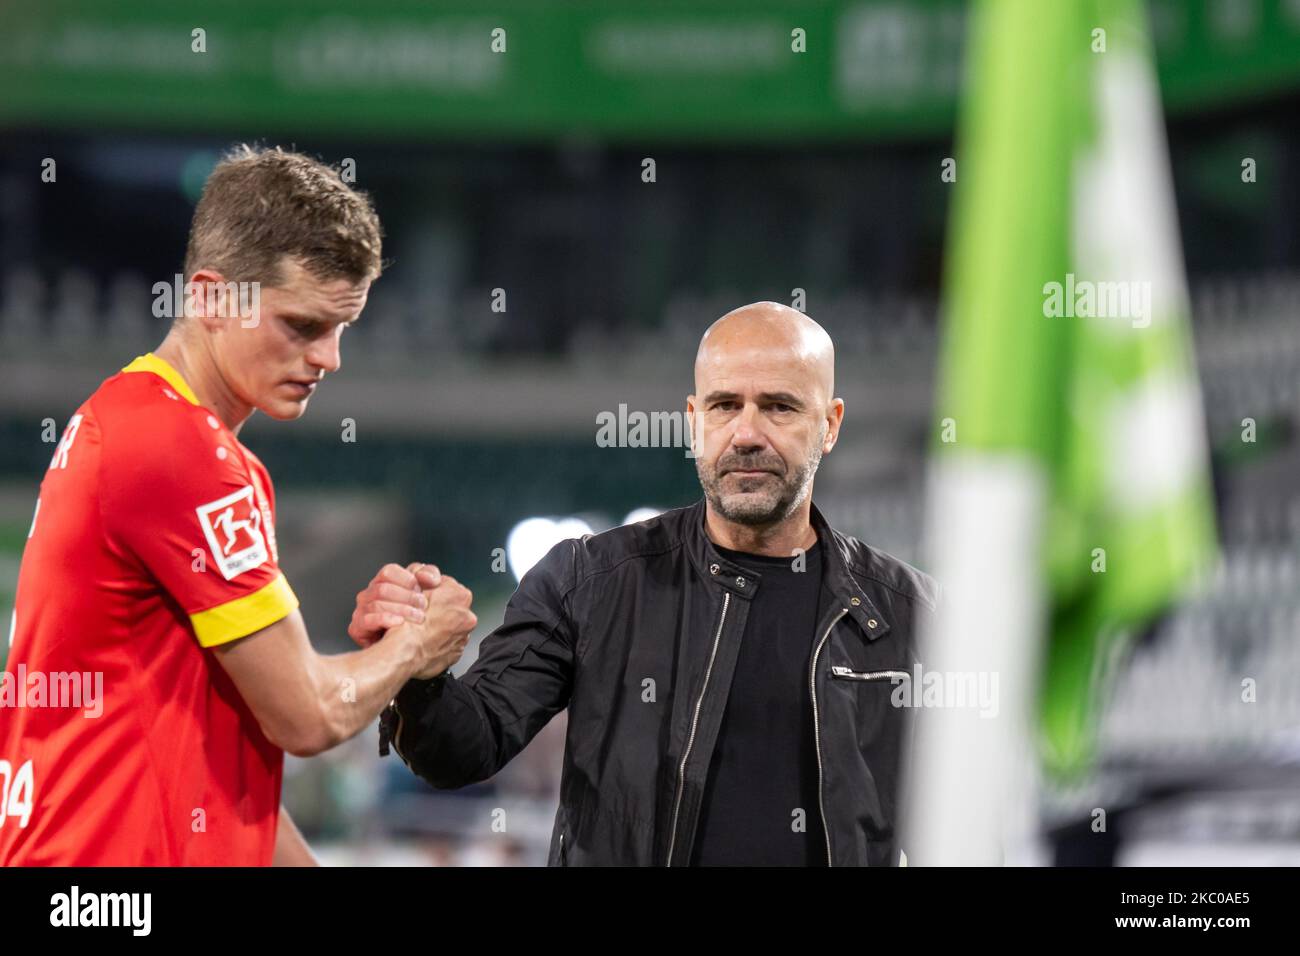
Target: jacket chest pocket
x: 874, y: 700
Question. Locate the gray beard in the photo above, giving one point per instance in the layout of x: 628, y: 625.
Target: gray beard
x: 772, y: 508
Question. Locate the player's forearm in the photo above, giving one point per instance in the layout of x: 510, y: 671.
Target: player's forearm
x: 353, y: 688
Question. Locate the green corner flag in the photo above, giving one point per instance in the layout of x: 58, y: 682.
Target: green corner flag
x: 1067, y: 356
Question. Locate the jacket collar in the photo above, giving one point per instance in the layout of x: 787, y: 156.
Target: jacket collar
x: 837, y: 560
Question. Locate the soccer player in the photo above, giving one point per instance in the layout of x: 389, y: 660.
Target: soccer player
x: 151, y: 567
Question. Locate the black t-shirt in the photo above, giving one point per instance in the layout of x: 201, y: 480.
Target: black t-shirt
x: 764, y: 765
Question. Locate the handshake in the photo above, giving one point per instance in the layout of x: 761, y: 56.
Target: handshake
x: 420, y: 606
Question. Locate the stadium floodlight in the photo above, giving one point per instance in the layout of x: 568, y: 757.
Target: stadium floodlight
x: 641, y: 514
x: 531, y: 538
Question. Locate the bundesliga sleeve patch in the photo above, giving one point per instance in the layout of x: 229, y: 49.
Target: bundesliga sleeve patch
x: 233, y: 527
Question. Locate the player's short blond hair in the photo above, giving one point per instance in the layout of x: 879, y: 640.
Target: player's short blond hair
x: 260, y: 205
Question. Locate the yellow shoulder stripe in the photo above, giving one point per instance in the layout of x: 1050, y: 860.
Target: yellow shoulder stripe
x: 163, y: 369
x: 242, y: 616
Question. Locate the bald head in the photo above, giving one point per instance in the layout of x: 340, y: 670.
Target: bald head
x: 767, y: 333
x: 763, y: 413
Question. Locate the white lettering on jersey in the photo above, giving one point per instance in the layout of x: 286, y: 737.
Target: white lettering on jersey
x: 60, y: 459
x: 233, y: 527
x: 267, y: 524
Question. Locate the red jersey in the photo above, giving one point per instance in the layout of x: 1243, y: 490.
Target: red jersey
x: 122, y: 739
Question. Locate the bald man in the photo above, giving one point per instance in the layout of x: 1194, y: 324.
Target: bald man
x: 728, y: 668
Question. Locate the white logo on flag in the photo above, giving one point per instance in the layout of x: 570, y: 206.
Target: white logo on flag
x: 233, y: 527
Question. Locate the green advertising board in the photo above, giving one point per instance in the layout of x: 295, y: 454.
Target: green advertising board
x: 707, y: 69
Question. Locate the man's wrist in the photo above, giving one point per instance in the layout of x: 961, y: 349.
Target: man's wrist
x: 410, y: 642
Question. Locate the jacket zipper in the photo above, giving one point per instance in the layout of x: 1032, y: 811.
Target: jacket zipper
x: 817, y: 736
x: 849, y: 674
x: 690, y: 741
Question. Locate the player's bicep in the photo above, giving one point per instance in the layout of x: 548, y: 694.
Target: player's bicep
x: 272, y: 669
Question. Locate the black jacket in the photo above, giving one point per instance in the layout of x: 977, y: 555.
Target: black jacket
x: 636, y: 631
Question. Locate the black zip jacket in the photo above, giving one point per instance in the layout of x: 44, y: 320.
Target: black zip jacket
x: 636, y: 632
